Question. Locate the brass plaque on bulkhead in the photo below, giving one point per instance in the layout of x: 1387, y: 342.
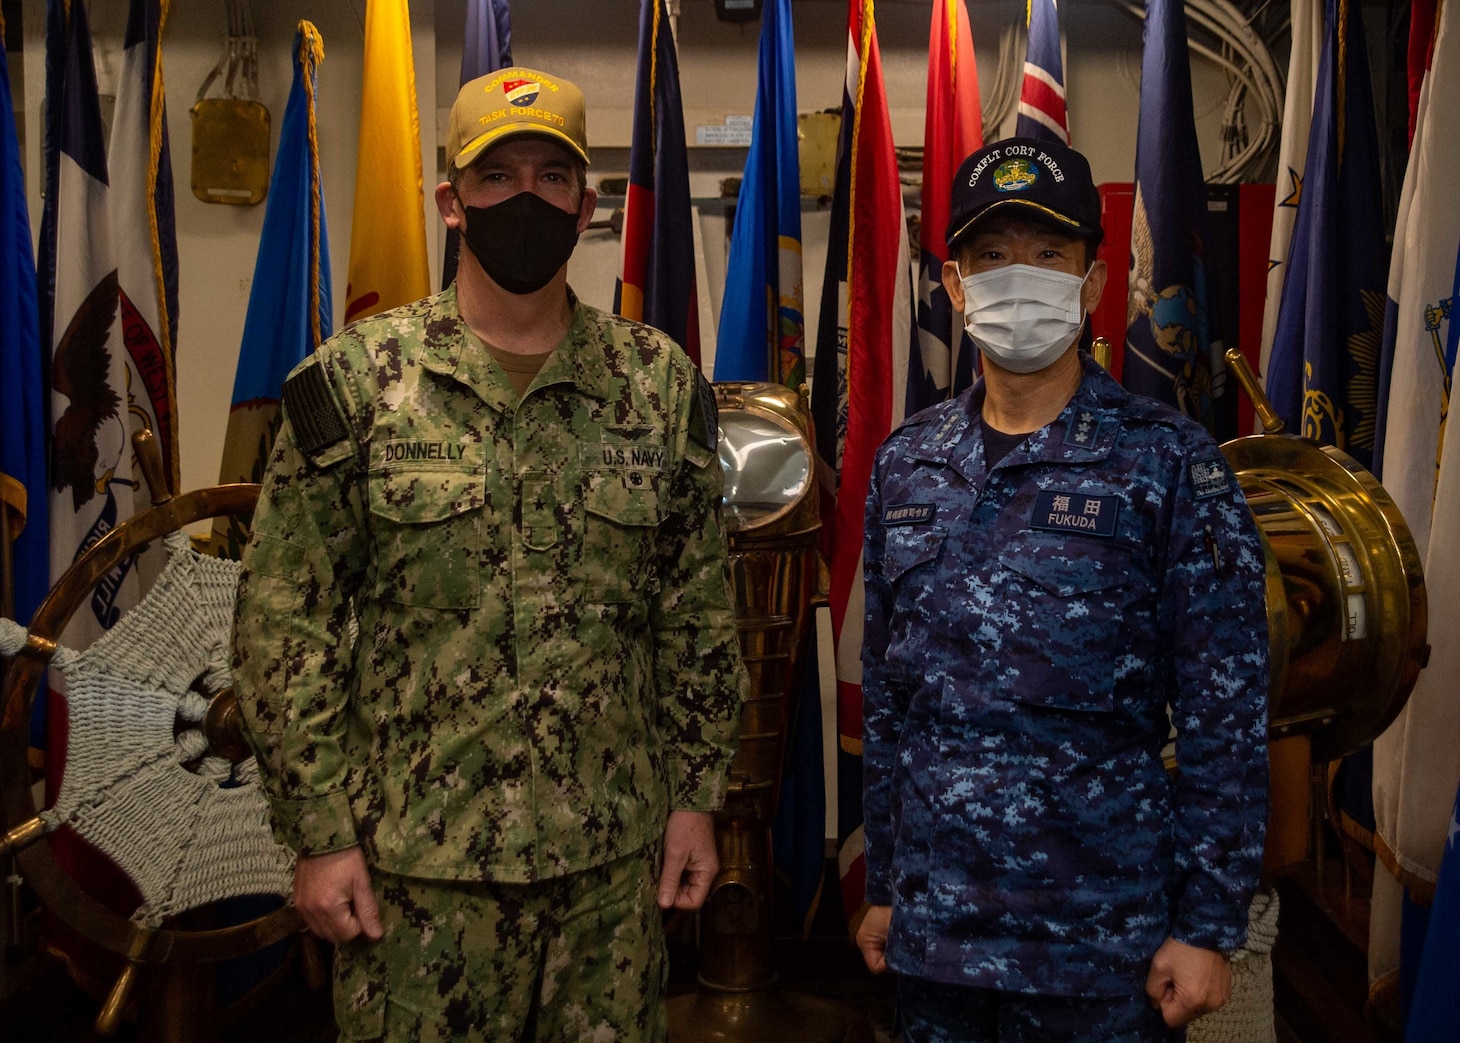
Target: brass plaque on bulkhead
x: 818, y: 133
x: 230, y: 151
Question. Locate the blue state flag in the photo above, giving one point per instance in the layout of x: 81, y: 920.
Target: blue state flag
x: 762, y: 337
x: 1172, y: 349
x: 23, y: 389
x: 1434, y: 1013
x: 798, y: 833
x: 1323, y: 371
x: 486, y: 48
x: 289, y: 307
x: 762, y: 320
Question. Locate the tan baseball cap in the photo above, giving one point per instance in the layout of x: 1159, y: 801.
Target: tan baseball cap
x: 508, y: 102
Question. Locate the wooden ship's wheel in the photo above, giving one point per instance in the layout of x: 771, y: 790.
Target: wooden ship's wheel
x: 158, y: 776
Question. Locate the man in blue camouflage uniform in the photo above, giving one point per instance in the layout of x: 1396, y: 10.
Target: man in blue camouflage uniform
x: 1051, y: 562
x: 485, y: 644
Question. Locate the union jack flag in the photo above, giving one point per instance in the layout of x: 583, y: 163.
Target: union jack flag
x: 1042, y: 97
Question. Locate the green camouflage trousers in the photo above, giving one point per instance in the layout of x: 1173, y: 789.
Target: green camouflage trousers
x: 576, y: 958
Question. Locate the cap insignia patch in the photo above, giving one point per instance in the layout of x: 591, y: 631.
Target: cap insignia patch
x: 1015, y: 175
x: 521, y: 92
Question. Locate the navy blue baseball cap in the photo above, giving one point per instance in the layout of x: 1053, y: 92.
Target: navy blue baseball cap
x: 1043, y: 180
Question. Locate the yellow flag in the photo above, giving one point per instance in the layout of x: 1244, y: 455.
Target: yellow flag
x: 388, y: 231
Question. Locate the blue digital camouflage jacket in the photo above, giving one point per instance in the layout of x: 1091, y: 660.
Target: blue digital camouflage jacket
x: 1027, y: 627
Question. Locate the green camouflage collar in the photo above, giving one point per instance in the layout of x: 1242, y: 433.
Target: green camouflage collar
x: 451, y: 349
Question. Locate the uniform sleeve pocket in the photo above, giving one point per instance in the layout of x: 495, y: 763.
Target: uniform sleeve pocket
x: 273, y: 556
x: 906, y: 547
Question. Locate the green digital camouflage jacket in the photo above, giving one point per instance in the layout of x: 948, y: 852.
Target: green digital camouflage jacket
x: 546, y: 660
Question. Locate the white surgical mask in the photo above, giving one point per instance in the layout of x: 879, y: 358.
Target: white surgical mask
x: 1022, y: 317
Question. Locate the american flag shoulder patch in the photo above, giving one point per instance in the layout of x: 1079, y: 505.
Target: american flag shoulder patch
x: 312, y: 411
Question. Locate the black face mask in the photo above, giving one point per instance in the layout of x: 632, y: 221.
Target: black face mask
x: 521, y: 242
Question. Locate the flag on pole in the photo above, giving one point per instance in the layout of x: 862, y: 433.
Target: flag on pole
x: 388, y: 264
x: 289, y: 306
x: 487, y: 48
x: 657, y: 280
x: 93, y: 395
x: 141, y: 196
x: 942, y: 365
x: 762, y: 337
x: 798, y: 834
x: 1172, y: 351
x: 1417, y: 759
x: 1422, y: 14
x: 1426, y: 221
x: 1322, y: 326
x: 1323, y: 371
x: 1434, y: 1014
x: 1042, y: 96
x: 762, y: 320
x: 1407, y: 783
x: 23, y: 487
x: 863, y: 343
x: 97, y: 395
x: 1307, y: 47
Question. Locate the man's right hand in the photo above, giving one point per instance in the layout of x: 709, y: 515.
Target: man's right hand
x: 332, y: 893
x: 872, y: 937
x: 1185, y: 982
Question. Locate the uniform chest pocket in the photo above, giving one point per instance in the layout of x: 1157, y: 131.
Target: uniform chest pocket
x: 905, y: 547
x: 428, y: 536
x: 622, y: 511
x: 1074, y: 607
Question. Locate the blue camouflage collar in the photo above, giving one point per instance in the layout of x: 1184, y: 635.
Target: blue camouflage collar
x: 1087, y: 427
x: 941, y: 436
x: 1084, y: 431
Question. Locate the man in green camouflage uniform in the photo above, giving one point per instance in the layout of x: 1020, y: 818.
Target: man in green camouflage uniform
x: 516, y: 498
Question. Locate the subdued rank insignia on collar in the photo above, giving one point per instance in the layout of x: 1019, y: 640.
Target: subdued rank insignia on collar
x: 1083, y: 427
x: 1208, y: 478
x: 949, y: 422
x: 1055, y: 511
x: 704, y: 419
x: 908, y: 513
x: 312, y: 411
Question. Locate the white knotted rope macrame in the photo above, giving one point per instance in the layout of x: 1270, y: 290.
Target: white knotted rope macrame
x: 1248, y: 1016
x: 186, y: 826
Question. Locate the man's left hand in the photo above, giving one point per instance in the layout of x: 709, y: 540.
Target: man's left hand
x: 1185, y: 982
x: 690, y: 860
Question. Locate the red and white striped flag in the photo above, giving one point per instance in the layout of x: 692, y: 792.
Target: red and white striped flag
x: 866, y: 333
